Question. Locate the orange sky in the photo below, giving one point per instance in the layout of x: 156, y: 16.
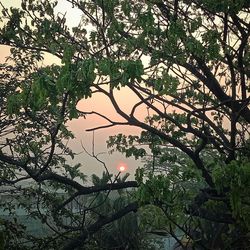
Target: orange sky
x: 98, y: 103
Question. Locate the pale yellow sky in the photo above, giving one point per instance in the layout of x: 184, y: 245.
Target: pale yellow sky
x: 98, y: 103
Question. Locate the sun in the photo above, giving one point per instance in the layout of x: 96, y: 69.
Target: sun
x: 122, y: 167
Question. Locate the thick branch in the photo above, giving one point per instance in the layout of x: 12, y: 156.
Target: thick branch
x: 87, y: 190
x: 133, y: 121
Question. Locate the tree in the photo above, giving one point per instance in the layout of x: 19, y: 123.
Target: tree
x: 36, y: 178
x: 188, y: 64
x: 34, y: 173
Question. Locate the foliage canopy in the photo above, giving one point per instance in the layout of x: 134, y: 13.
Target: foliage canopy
x: 188, y: 64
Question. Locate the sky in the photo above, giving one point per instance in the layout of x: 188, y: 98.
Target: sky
x: 97, y: 103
